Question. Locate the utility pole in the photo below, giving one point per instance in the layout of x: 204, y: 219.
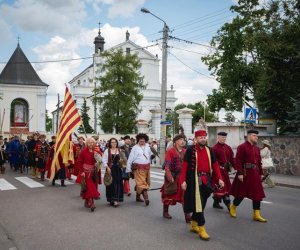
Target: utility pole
x: 57, y: 113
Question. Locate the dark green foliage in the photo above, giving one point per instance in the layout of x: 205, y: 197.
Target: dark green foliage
x: 48, y: 122
x: 85, y: 119
x: 258, y: 51
x: 119, y: 91
x: 293, y: 119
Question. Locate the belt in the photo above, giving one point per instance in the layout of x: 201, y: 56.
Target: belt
x: 202, y: 173
x: 249, y: 165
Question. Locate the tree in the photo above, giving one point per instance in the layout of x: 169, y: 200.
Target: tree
x: 257, y: 52
x: 85, y: 119
x: 293, y: 119
x: 119, y: 93
x: 229, y: 117
x: 48, y: 122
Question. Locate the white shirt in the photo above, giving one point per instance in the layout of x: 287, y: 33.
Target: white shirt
x: 139, y: 154
x: 105, y: 157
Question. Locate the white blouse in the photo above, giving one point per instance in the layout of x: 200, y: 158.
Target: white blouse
x: 139, y: 154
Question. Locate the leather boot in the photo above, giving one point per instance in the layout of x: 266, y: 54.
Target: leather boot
x: 138, y: 198
x: 53, y: 182
x: 62, y: 183
x: 33, y: 172
x: 146, y: 198
x: 217, y: 203
x: 194, y: 228
x: 187, y: 217
x: 42, y: 176
x: 258, y: 217
x: 232, y: 211
x: 203, y: 234
x: 166, y: 212
x: 226, y: 201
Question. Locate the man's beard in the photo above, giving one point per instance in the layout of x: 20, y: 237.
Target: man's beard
x: 202, y: 144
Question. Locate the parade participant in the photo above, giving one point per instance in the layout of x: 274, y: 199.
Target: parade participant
x: 2, y: 155
x: 171, y: 192
x: 77, y: 148
x: 31, y: 154
x: 14, y: 152
x: 247, y: 182
x: 111, y: 158
x: 53, y: 140
x: 267, y: 163
x: 139, y: 164
x: 87, y: 175
x: 126, y: 177
x: 225, y: 159
x: 42, y: 149
x: 97, y: 149
x: 23, y: 157
x: 199, y: 168
x: 59, y: 174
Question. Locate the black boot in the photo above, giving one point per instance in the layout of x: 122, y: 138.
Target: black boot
x: 146, y: 198
x: 226, y: 201
x: 62, y: 183
x: 42, y: 176
x: 217, y: 202
x: 53, y: 182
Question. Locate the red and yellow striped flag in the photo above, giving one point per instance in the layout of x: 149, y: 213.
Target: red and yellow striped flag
x: 69, y: 121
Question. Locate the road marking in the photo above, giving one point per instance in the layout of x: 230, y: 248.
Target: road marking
x: 158, y: 173
x: 160, y: 182
x: 156, y: 176
x: 5, y: 185
x: 29, y: 182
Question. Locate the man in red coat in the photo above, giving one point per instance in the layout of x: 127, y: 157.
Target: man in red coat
x: 199, y: 168
x: 173, y: 167
x: 247, y: 182
x: 42, y: 149
x: 86, y: 165
x: 77, y: 148
x: 225, y: 159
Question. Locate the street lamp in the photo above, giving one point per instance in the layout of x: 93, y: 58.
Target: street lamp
x: 163, y: 85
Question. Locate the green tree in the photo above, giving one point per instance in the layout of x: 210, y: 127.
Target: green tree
x: 229, y: 117
x: 85, y: 119
x: 258, y: 51
x: 48, y: 122
x: 119, y: 93
x: 293, y: 119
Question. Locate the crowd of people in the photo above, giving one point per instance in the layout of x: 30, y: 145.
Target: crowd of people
x: 193, y: 171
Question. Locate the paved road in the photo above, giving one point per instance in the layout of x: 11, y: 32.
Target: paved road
x: 36, y: 216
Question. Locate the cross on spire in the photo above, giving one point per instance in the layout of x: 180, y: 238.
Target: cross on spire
x: 18, y: 39
x: 99, y: 28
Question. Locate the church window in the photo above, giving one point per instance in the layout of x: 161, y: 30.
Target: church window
x: 127, y: 51
x: 19, y: 113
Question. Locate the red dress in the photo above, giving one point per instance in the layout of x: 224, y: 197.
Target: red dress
x: 224, y: 155
x: 251, y: 187
x: 86, y: 164
x: 173, y: 164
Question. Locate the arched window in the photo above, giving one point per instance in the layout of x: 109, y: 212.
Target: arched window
x: 19, y: 113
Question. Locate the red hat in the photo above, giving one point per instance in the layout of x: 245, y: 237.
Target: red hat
x: 200, y: 133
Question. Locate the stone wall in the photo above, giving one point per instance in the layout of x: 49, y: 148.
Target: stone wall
x: 285, y: 152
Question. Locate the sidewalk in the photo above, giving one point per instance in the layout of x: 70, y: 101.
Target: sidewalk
x: 279, y: 179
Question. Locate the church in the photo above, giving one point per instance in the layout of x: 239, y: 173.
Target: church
x: 148, y: 120
x: 22, y: 97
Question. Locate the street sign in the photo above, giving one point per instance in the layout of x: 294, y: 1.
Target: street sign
x: 250, y: 115
x: 166, y: 123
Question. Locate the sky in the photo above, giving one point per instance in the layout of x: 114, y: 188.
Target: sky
x: 55, y: 30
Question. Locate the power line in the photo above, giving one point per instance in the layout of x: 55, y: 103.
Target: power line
x: 191, y: 68
x: 190, y: 42
x: 172, y: 47
x: 71, y: 59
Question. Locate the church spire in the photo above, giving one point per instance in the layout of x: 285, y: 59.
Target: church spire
x: 99, y: 42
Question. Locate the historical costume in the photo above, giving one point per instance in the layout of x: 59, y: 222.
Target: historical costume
x: 77, y: 148
x: 199, y: 168
x: 23, y: 157
x: 32, y: 154
x: 111, y: 161
x: 2, y: 156
x: 225, y: 158
x: 267, y: 163
x: 126, y: 176
x: 139, y: 163
x: 171, y: 192
x: 59, y: 174
x: 42, y: 149
x: 88, y: 174
x: 247, y: 182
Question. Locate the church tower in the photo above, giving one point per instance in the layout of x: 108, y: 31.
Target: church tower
x: 99, y: 42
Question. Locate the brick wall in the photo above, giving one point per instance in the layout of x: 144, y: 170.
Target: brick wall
x: 285, y: 152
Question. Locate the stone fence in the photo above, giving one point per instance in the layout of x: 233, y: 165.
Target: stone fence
x: 285, y: 151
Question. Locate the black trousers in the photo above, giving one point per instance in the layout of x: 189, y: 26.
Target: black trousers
x: 204, y: 194
x: 255, y: 204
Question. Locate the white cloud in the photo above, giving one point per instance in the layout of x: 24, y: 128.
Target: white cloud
x: 45, y: 16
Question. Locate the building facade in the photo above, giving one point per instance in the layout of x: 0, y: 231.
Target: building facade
x: 22, y: 97
x: 82, y: 85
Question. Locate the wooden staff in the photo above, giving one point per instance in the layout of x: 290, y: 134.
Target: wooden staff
x: 2, y: 120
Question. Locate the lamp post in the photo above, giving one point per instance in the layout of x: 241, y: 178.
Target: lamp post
x: 163, y: 85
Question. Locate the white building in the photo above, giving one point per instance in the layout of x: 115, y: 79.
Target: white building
x: 82, y: 85
x: 22, y: 97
